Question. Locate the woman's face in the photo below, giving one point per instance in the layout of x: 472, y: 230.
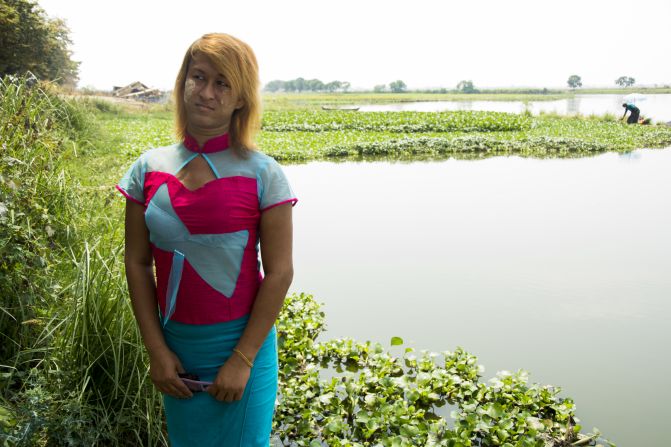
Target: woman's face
x: 209, y: 100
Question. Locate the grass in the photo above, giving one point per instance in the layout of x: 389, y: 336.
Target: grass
x: 314, y: 101
x: 623, y: 91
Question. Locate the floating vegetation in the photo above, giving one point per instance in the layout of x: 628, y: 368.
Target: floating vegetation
x: 468, y: 145
x: 396, y: 122
x: 545, y: 136
x: 377, y: 398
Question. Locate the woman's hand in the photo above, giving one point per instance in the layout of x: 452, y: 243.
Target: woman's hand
x: 163, y: 368
x: 231, y: 380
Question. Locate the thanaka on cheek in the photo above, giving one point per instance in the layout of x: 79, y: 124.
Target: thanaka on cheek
x: 189, y: 86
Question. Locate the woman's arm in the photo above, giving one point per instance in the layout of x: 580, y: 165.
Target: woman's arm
x: 276, y: 234
x: 164, y: 364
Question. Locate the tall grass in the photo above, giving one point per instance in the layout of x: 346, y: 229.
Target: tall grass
x: 101, y: 358
x: 72, y: 366
x: 37, y: 208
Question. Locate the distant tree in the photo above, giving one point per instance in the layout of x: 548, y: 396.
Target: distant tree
x: 333, y: 86
x: 625, y: 81
x: 466, y: 87
x: 31, y: 41
x: 380, y: 88
x: 290, y: 86
x: 274, y: 86
x: 299, y: 84
x: 574, y: 81
x: 315, y: 85
x: 397, y: 86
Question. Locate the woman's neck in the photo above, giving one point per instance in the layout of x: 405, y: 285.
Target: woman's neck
x: 202, y: 135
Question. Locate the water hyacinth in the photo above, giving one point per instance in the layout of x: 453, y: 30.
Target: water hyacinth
x: 345, y: 392
x: 397, y: 122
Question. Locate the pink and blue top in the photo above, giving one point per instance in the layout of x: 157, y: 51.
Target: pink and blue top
x: 205, y: 242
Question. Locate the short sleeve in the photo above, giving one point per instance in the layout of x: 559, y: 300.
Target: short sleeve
x: 131, y: 184
x: 274, y: 187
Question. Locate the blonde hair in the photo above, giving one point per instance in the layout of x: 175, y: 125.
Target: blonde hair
x: 235, y: 60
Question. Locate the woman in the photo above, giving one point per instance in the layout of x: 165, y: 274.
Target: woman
x: 199, y: 210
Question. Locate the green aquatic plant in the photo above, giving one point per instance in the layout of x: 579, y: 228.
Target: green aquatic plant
x: 396, y: 122
x: 348, y: 393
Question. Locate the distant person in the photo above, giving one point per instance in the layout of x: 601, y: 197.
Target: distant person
x: 635, y: 113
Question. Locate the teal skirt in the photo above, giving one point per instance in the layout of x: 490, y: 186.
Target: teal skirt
x: 204, y: 421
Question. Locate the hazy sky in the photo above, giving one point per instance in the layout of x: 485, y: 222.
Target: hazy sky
x: 424, y: 43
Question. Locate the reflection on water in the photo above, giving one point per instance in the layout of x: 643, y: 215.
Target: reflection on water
x: 560, y: 267
x: 655, y: 106
x: 573, y: 106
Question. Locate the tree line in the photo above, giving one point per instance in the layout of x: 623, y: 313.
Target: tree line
x: 398, y: 86
x: 307, y: 85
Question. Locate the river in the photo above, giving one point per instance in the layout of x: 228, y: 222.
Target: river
x: 556, y: 266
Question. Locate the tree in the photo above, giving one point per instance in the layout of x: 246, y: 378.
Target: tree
x: 299, y: 84
x: 333, y: 86
x: 31, y: 41
x: 466, y: 87
x: 397, y: 86
x: 625, y: 81
x: 290, y: 86
x: 380, y: 88
x: 574, y: 81
x: 274, y: 86
x: 315, y: 85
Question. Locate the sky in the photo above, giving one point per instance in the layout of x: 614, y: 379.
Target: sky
x: 426, y: 44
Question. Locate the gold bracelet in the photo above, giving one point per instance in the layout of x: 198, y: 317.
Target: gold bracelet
x: 244, y: 357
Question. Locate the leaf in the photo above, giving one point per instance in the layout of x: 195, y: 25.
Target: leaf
x: 395, y: 341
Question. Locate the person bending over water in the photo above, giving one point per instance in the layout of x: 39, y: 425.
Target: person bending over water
x: 635, y: 113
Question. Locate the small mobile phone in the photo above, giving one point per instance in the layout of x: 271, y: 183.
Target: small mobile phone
x: 193, y: 382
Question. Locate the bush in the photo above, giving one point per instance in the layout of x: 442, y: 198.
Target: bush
x: 37, y: 206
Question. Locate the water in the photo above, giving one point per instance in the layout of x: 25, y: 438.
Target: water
x: 559, y: 267
x: 655, y: 106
